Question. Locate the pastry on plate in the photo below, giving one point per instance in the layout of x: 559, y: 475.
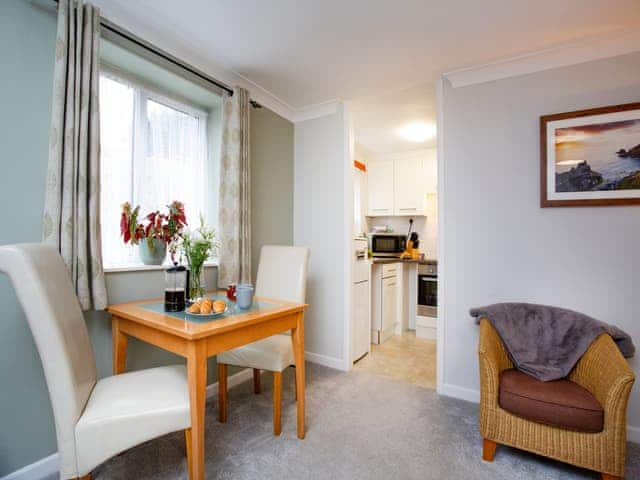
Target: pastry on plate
x: 219, y: 306
x: 205, y: 307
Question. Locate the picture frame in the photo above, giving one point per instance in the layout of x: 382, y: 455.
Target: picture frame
x: 590, y: 157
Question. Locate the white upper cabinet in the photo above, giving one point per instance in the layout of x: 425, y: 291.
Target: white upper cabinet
x: 409, y: 186
x: 380, y: 188
x: 398, y: 184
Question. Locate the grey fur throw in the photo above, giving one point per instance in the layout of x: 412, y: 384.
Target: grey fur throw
x: 547, y: 342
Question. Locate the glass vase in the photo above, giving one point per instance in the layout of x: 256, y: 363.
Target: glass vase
x: 196, y: 282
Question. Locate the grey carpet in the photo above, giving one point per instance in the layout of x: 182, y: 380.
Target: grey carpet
x: 359, y: 426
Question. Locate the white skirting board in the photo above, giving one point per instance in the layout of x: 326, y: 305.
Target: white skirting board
x: 48, y: 467
x: 331, y: 362
x: 44, y: 468
x: 633, y: 434
x: 471, y: 395
x: 462, y: 393
x: 232, y: 380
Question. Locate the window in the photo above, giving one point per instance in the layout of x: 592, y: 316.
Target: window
x: 154, y: 149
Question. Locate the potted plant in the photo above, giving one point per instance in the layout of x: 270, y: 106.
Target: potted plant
x: 158, y: 231
x: 197, y: 246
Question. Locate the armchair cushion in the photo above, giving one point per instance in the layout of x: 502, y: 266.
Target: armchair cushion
x: 561, y: 403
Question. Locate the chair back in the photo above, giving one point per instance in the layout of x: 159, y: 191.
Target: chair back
x: 43, y: 287
x: 282, y: 273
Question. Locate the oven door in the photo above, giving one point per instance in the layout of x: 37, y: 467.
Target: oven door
x: 428, y: 295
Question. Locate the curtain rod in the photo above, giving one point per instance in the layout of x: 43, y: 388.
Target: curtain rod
x: 121, y: 32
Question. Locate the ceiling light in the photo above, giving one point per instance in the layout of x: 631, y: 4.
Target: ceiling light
x: 418, y: 131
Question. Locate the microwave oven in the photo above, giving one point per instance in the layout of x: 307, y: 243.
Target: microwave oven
x: 388, y: 244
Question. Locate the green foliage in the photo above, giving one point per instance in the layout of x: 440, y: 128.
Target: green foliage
x: 197, y: 246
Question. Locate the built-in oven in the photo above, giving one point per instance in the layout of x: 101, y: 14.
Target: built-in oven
x: 388, y: 244
x: 428, y: 290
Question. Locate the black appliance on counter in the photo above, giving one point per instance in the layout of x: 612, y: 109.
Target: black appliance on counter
x: 388, y: 244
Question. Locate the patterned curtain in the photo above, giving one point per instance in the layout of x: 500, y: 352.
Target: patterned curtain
x: 71, y: 219
x: 234, y: 223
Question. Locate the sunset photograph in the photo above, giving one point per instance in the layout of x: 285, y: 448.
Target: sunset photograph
x: 601, y: 156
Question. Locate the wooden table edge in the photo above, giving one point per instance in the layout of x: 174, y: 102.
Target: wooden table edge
x: 283, y: 308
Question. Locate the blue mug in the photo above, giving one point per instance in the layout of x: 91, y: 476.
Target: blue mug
x: 244, y: 295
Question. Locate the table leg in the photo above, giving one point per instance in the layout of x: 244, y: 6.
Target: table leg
x: 197, y: 377
x: 187, y: 444
x: 297, y: 340
x: 119, y: 344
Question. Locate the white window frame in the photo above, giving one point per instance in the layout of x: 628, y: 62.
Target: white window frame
x: 143, y: 92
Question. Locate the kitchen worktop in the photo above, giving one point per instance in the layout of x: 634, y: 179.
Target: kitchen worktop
x: 381, y: 260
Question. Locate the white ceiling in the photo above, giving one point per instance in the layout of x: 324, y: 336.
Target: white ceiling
x: 306, y: 52
x: 377, y: 119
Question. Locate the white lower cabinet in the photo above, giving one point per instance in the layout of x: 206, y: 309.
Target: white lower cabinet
x: 426, y: 327
x: 389, y: 303
x: 384, y: 308
x: 360, y: 343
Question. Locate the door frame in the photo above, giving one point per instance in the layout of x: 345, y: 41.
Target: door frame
x: 441, y: 324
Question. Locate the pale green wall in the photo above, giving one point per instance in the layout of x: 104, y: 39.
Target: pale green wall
x: 271, y: 181
x: 27, y: 35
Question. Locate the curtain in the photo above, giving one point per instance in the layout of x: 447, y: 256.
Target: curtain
x: 174, y: 160
x: 234, y: 223
x: 71, y: 220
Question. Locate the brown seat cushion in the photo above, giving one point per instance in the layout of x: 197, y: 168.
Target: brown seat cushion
x: 561, y: 403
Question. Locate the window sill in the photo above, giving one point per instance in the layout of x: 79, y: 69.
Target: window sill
x: 148, y: 268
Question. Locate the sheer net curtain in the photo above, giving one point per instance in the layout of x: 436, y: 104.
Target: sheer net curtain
x: 116, y: 131
x: 155, y: 150
x: 174, y: 164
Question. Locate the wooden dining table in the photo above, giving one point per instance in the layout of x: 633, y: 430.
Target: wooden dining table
x: 197, y: 339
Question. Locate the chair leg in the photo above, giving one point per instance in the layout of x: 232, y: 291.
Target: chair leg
x: 256, y: 381
x: 187, y: 441
x: 222, y: 392
x: 277, y: 398
x: 488, y: 449
x: 606, y: 476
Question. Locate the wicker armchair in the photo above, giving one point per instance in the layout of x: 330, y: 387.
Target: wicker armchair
x: 602, y: 371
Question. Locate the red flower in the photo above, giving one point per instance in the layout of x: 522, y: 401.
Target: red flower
x: 158, y: 225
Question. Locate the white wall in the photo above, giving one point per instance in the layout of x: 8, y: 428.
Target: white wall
x: 319, y: 223
x: 498, y: 244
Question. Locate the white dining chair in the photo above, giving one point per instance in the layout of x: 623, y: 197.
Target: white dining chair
x: 95, y: 419
x: 282, y: 275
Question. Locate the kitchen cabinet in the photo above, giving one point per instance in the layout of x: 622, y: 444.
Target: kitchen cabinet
x: 409, y: 186
x: 380, y: 188
x: 360, y: 339
x: 384, y: 311
x: 389, y: 303
x: 397, y: 185
x: 361, y: 301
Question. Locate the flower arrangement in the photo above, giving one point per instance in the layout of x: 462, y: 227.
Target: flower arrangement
x: 197, y: 246
x: 164, y: 227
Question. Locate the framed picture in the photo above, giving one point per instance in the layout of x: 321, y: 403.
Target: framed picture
x: 590, y: 157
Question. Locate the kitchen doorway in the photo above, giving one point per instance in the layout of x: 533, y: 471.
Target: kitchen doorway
x: 395, y: 208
